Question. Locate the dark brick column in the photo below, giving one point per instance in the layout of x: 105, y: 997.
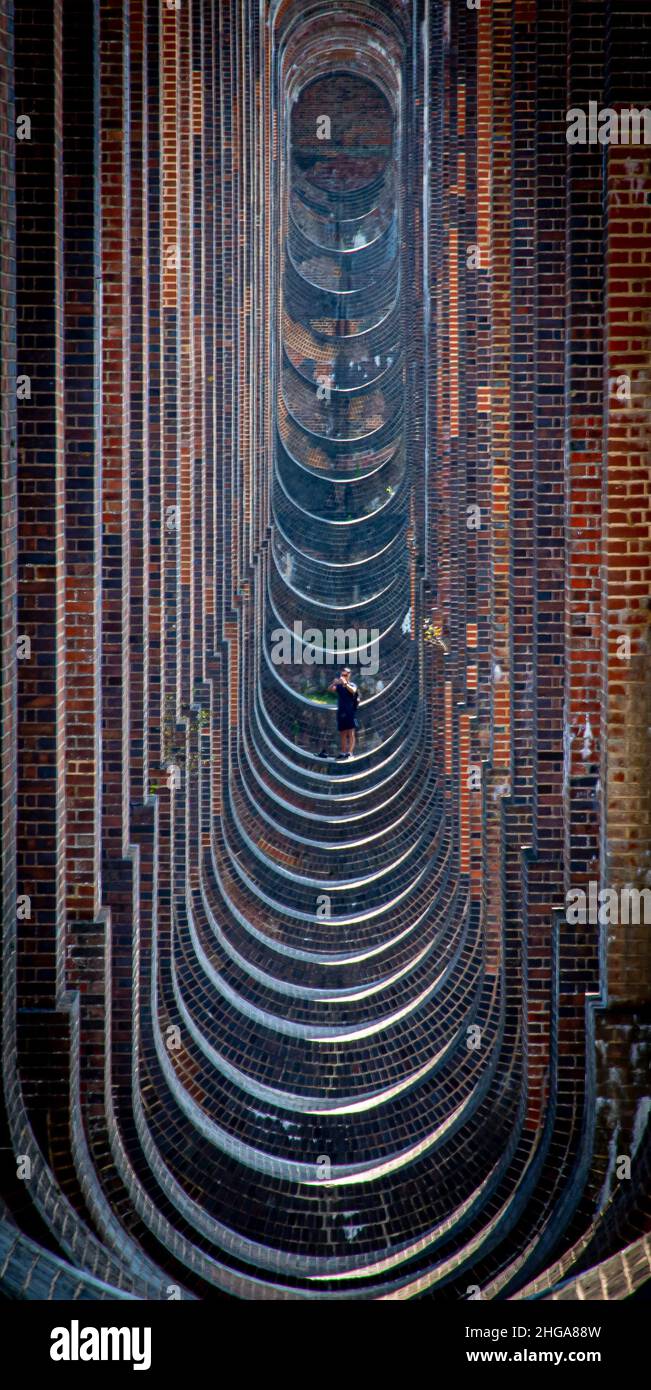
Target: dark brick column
x: 41, y: 674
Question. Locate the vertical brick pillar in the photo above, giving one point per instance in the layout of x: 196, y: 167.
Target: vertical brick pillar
x: 443, y: 501
x: 501, y: 395
x: 152, y: 439
x: 628, y: 553
x: 139, y: 421
x: 584, y: 449
x: 206, y: 270
x: 525, y: 271
x: 8, y: 514
x: 41, y: 676
x: 494, y: 183
x: 186, y: 558
x: 114, y: 57
x: 479, y: 99
x: 116, y: 362
x: 545, y: 878
x: 198, y: 329
x: 225, y: 290
x: 584, y: 482
x: 173, y: 519
x: 83, y: 460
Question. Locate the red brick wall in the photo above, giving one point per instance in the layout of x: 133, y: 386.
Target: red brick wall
x: 628, y: 558
x: 144, y: 311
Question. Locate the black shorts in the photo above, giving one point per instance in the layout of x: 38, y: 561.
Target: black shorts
x: 346, y: 721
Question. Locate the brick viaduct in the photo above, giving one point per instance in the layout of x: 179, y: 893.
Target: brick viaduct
x: 278, y: 1026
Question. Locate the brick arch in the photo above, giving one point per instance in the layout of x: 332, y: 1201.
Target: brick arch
x: 215, y: 1081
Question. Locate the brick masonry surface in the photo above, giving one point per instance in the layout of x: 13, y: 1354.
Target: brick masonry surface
x: 280, y: 1025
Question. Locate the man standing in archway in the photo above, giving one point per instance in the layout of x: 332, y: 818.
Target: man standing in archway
x: 347, y: 703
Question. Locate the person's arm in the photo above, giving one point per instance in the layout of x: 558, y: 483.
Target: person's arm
x: 334, y: 685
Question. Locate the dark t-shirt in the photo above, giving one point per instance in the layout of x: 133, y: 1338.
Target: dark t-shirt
x: 346, y: 702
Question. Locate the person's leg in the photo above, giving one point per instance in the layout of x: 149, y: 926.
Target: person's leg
x: 352, y: 742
